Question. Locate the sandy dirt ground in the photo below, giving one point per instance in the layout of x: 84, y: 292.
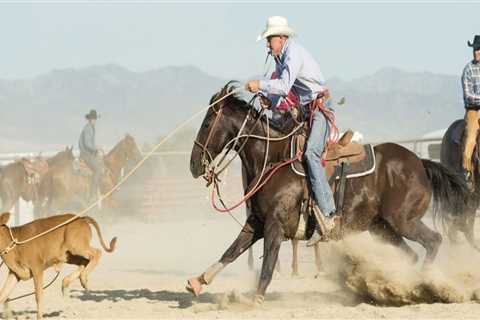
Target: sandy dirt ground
x: 145, y: 278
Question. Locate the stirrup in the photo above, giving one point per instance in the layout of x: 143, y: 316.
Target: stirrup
x: 316, y: 238
x: 468, y: 176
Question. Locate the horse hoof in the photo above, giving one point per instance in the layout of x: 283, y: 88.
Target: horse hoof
x: 194, y: 286
x: 258, y: 300
x: 320, y: 274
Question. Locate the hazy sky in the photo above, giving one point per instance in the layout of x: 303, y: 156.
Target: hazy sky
x: 349, y: 39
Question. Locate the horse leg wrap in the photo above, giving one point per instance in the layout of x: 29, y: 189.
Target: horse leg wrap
x: 209, y: 274
x: 258, y: 300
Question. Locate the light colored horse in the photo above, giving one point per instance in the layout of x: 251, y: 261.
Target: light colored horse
x: 69, y: 189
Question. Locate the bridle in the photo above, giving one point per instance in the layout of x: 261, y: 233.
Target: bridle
x: 211, y: 170
x: 206, y: 156
x: 207, y: 160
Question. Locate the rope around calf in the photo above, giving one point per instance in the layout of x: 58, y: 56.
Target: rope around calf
x: 16, y: 242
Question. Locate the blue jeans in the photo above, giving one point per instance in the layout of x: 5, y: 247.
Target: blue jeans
x: 97, y: 166
x: 322, y: 194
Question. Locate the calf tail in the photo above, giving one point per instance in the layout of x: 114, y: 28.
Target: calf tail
x: 113, y: 242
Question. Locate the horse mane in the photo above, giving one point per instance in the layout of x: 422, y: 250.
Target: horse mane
x: 235, y: 101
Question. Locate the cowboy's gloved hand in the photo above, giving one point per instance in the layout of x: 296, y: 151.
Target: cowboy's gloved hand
x: 294, y: 112
x: 265, y: 102
x: 253, y: 86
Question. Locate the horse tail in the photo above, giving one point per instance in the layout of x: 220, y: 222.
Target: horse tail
x: 450, y: 192
x: 113, y: 242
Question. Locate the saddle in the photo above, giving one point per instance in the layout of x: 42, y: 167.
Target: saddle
x: 35, y: 169
x: 358, y: 160
x: 343, y: 160
x: 81, y: 168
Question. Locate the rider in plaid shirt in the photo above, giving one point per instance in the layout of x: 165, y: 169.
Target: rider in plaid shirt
x: 471, y: 97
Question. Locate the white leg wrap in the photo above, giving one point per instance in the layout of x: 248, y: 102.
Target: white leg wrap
x: 211, y: 272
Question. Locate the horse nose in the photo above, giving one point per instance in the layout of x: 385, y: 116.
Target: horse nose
x: 196, y: 168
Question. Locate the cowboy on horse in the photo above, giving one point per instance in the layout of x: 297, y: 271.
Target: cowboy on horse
x: 297, y: 71
x: 90, y: 153
x: 471, y: 98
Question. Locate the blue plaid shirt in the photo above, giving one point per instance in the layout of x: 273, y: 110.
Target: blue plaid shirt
x: 471, y: 84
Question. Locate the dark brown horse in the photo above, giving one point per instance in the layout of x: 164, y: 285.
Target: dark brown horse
x: 69, y: 189
x: 389, y: 203
x: 451, y: 157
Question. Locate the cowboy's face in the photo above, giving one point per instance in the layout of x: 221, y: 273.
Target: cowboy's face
x: 476, y: 54
x: 275, y: 44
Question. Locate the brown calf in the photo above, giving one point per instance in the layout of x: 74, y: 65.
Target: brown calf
x: 67, y: 244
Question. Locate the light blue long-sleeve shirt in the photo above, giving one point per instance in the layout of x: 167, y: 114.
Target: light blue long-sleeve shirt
x: 296, y: 69
x: 86, y: 143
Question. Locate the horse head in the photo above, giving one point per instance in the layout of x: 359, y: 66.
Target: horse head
x: 220, y: 124
x: 132, y: 151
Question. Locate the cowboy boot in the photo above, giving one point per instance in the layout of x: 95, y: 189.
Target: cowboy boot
x: 315, y: 238
x: 323, y: 228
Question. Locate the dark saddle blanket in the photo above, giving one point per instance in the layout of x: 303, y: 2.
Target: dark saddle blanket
x: 355, y: 160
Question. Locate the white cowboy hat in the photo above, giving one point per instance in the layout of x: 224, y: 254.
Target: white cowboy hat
x: 276, y: 26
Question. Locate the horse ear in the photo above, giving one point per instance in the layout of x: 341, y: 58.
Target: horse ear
x: 4, y: 218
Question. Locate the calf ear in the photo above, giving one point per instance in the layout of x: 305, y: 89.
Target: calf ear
x: 4, y: 218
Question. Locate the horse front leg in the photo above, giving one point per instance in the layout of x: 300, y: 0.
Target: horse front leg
x: 295, y: 258
x: 273, y: 237
x: 248, y: 212
x: 250, y: 233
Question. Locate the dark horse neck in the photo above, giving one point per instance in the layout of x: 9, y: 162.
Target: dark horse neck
x: 253, y: 154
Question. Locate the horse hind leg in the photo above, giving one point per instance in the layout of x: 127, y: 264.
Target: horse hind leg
x: 468, y: 228
x: 318, y: 260
x: 383, y: 231
x: 417, y: 231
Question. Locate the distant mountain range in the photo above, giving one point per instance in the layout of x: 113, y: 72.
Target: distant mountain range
x: 47, y: 112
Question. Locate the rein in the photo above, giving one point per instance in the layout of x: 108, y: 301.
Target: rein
x: 212, y: 176
x: 16, y: 242
x: 209, y: 167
